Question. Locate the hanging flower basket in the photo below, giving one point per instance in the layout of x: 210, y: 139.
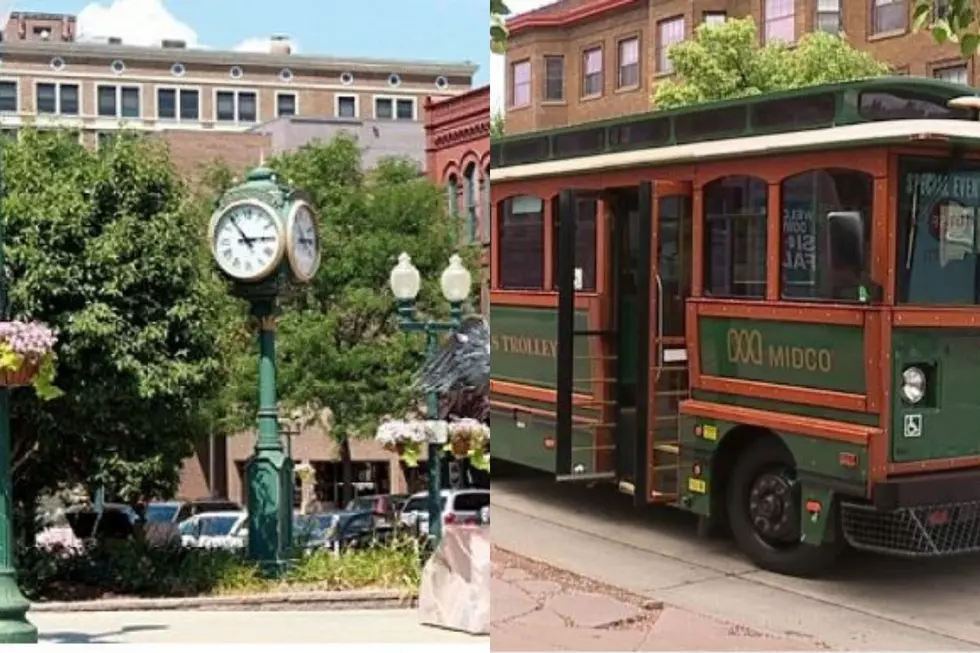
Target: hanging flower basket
x: 404, y: 438
x: 470, y: 438
x: 27, y: 357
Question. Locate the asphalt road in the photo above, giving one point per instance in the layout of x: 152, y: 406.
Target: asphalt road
x: 870, y: 602
x: 200, y: 627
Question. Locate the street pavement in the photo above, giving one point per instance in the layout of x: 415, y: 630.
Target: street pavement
x: 540, y: 608
x: 233, y: 627
x: 869, y: 603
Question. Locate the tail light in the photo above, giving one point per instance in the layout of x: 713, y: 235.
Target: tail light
x: 449, y: 518
x: 452, y: 518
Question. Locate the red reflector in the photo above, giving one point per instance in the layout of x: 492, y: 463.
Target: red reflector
x: 550, y: 443
x: 697, y: 430
x: 813, y: 506
x: 848, y: 460
x: 696, y: 470
x: 938, y: 518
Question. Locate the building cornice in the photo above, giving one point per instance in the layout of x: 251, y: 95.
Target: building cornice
x: 551, y: 17
x: 294, y: 62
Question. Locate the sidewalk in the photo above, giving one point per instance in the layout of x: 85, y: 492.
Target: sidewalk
x: 537, y: 607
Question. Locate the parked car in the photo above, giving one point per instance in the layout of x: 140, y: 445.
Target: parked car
x: 458, y: 507
x: 176, y: 512
x: 215, y: 530
x: 338, y: 530
x: 384, y: 506
x: 116, y: 521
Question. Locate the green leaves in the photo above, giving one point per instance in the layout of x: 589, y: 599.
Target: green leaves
x: 949, y: 21
x: 725, y: 61
x: 497, y: 125
x: 498, y: 30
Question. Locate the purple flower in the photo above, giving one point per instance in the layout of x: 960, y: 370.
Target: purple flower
x: 28, y: 339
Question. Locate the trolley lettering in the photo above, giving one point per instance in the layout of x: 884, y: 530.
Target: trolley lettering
x: 748, y: 347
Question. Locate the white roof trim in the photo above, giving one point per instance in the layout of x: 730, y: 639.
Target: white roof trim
x: 746, y: 146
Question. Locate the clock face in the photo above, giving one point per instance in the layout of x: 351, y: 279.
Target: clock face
x: 303, y: 245
x: 247, y: 241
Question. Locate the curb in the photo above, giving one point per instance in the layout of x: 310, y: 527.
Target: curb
x: 343, y: 600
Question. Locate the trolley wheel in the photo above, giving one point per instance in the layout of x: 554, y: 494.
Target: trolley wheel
x: 764, y: 513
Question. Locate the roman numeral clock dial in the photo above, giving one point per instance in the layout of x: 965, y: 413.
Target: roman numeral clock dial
x: 303, y: 242
x: 247, y: 240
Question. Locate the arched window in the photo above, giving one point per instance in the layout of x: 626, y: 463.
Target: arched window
x: 485, y: 221
x: 734, y: 257
x: 471, y: 182
x: 520, y: 231
x: 810, y: 202
x: 452, y: 195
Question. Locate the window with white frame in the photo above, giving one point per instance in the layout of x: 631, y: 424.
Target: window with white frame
x: 828, y: 16
x: 714, y: 17
x: 669, y: 32
x: 889, y: 16
x: 394, y: 108
x: 179, y: 104
x: 958, y: 74
x: 9, y: 97
x: 236, y: 106
x: 628, y: 75
x: 285, y: 105
x: 118, y: 101
x: 346, y: 106
x: 592, y: 72
x: 520, y: 79
x: 53, y: 98
x: 780, y: 18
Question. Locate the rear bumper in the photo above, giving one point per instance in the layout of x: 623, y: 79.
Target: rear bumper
x: 921, y: 516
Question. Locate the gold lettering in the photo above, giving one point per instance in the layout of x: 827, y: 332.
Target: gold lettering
x: 777, y: 356
x: 746, y: 347
x: 525, y: 345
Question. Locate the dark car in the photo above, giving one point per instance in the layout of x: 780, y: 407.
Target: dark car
x: 116, y: 521
x: 384, y: 506
x: 338, y: 530
x: 175, y: 512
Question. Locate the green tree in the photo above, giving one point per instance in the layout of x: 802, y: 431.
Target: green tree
x: 950, y: 21
x: 497, y: 126
x: 498, y: 30
x: 726, y: 61
x: 339, y: 345
x: 98, y: 247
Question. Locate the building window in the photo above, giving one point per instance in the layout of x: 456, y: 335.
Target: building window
x: 130, y: 101
x: 780, y: 17
x: 714, y: 17
x: 104, y: 139
x: 452, y: 195
x: 889, y: 15
x: 956, y: 74
x: 178, y: 104
x: 236, y: 106
x: 520, y: 74
x: 520, y: 233
x: 346, y: 106
x: 554, y: 78
x: 286, y: 104
x: 828, y: 16
x: 629, y: 63
x: 471, y: 182
x: 118, y: 101
x: 108, y: 104
x: 808, y: 271
x: 735, y: 237
x: 387, y: 108
x: 592, y: 72
x: 54, y: 98
x: 585, y: 243
x: 669, y: 32
x: 940, y: 10
x: 9, y: 97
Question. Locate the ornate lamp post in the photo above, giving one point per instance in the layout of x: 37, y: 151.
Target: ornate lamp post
x: 264, y: 237
x: 456, y: 282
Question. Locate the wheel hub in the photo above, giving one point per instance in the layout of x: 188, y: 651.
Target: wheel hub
x: 772, y: 507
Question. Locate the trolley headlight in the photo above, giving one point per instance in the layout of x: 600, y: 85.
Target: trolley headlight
x: 913, y: 385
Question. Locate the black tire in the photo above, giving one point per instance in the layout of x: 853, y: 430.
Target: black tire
x: 764, y: 465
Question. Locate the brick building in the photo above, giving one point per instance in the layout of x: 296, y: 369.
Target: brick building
x: 201, y: 101
x: 458, y: 157
x: 580, y: 60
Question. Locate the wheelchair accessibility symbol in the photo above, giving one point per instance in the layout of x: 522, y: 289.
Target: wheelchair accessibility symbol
x: 913, y: 426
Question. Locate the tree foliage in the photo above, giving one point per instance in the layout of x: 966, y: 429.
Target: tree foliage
x: 726, y: 61
x: 98, y: 246
x: 340, y: 346
x: 498, y: 30
x: 950, y: 21
x: 497, y: 126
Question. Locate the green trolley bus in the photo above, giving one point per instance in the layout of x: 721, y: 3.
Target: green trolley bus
x: 764, y: 311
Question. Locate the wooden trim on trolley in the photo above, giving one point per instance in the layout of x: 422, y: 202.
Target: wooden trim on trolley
x: 533, y: 392
x: 939, y: 465
x: 802, y: 312
x: 820, y: 428
x: 774, y: 243
x: 538, y: 412
x: 537, y: 299
x: 936, y: 316
x: 878, y: 449
x: 789, y: 393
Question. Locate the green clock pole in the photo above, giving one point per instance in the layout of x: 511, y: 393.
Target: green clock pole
x: 14, y: 625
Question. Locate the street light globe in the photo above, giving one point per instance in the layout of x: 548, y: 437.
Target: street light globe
x: 405, y: 279
x: 456, y: 281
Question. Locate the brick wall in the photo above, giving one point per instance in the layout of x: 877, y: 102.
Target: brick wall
x: 192, y: 152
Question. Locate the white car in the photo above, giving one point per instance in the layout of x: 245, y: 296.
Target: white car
x: 215, y: 530
x: 458, y: 507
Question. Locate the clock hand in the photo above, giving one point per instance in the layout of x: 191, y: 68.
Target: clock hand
x: 245, y: 239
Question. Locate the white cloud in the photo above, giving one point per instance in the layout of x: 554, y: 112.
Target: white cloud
x: 497, y: 76
x: 136, y: 22
x: 262, y: 44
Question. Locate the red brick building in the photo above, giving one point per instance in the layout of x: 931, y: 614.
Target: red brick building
x: 458, y: 156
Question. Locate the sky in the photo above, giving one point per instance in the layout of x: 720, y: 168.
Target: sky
x: 497, y: 61
x: 448, y: 30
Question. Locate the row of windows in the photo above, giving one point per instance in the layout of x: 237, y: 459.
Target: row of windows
x: 778, y: 24
x: 735, y: 237
x: 184, y: 103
